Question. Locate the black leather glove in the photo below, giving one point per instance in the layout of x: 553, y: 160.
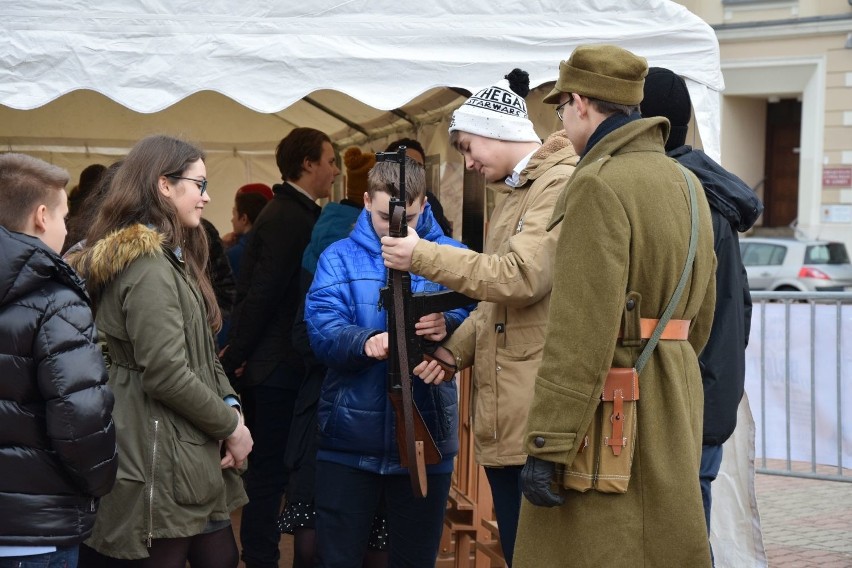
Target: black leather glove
x: 537, y: 478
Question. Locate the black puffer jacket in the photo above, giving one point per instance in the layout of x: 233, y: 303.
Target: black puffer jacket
x: 57, y: 439
x: 733, y: 207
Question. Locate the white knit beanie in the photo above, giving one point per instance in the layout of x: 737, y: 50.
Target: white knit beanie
x: 495, y: 112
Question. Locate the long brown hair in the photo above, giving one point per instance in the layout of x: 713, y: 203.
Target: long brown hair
x: 134, y: 197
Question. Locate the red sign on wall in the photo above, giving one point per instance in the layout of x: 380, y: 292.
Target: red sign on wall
x: 837, y: 177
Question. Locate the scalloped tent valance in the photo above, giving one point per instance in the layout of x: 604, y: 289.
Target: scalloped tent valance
x: 148, y: 55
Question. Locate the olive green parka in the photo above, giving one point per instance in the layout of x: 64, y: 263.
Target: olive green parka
x: 625, y: 232
x: 169, y: 390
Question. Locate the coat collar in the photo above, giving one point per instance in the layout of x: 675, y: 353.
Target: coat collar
x: 287, y: 191
x: 107, y: 258
x: 555, y: 149
x: 642, y: 135
x: 611, y: 123
x: 26, y: 262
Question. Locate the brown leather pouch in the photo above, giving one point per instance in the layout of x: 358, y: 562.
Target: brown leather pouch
x: 605, y: 458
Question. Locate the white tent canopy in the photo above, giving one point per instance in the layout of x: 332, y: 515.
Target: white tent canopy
x: 93, y: 76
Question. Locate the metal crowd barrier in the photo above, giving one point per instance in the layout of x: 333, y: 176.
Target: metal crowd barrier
x: 811, y: 360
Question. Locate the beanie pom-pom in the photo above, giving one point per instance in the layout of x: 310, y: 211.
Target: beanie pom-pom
x: 355, y: 159
x: 498, y: 111
x: 358, y: 165
x: 519, y: 82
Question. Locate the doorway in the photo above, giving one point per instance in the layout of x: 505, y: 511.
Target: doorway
x: 781, y: 185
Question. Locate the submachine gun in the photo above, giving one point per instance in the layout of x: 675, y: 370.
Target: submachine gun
x: 406, y: 349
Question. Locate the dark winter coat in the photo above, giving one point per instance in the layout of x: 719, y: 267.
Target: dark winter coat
x: 219, y: 270
x: 269, y: 289
x: 57, y: 437
x: 335, y: 223
x: 733, y: 207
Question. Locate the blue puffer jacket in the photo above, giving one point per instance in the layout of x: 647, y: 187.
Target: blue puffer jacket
x: 335, y: 222
x: 356, y: 420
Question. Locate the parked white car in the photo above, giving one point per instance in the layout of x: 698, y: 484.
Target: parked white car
x: 790, y: 264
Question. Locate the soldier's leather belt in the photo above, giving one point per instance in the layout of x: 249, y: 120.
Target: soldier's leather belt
x: 677, y: 330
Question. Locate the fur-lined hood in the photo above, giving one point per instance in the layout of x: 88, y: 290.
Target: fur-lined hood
x: 102, y: 263
x: 555, y: 149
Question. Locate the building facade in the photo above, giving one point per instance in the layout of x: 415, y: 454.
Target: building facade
x: 787, y: 108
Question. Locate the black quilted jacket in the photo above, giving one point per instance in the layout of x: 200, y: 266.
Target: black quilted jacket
x: 57, y: 439
x: 733, y: 207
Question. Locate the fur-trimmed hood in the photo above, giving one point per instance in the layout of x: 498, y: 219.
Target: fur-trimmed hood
x: 555, y: 149
x: 101, y: 263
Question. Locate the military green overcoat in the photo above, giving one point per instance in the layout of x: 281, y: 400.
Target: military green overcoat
x: 625, y: 226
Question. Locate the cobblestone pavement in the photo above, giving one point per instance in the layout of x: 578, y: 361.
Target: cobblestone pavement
x: 806, y: 522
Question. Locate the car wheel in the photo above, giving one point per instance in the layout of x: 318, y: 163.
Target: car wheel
x: 790, y: 289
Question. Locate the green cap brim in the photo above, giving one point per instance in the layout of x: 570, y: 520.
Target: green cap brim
x: 553, y: 97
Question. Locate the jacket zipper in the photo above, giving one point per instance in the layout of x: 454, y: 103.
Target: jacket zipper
x: 151, y: 489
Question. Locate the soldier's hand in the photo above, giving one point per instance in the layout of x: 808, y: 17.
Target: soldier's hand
x: 537, y: 479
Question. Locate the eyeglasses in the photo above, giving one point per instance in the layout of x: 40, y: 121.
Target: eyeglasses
x: 201, y: 183
x: 561, y: 108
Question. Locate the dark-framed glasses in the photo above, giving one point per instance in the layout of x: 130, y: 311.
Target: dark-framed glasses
x: 561, y: 108
x: 201, y: 183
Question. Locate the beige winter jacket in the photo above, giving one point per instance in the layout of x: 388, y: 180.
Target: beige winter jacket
x: 504, y: 336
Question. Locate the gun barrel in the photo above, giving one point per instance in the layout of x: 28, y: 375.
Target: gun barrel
x: 434, y: 302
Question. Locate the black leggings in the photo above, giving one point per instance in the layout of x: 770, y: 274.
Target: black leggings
x: 212, y: 550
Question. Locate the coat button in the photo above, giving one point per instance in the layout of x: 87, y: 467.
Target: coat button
x: 499, y: 368
x: 539, y: 442
x: 631, y: 303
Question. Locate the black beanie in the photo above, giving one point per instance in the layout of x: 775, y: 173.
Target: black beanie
x: 666, y: 95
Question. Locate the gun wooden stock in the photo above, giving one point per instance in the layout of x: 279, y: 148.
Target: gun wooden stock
x: 430, y: 452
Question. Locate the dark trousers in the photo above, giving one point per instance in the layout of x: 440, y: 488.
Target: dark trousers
x: 506, y: 493
x: 347, y: 499
x: 268, y: 411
